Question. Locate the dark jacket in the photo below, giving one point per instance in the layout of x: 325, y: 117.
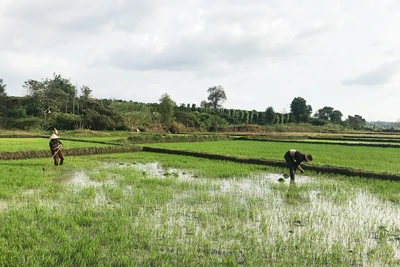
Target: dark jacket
x: 54, y: 143
x: 297, y: 157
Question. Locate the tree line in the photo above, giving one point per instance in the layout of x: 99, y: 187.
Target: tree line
x: 56, y: 102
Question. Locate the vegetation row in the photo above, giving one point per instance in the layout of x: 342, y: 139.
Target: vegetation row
x: 391, y: 139
x: 321, y: 142
x: 68, y: 152
x: 162, y: 138
x: 54, y: 102
x: 319, y: 169
x: 372, y: 159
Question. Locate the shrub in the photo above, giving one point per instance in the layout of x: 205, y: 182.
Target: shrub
x: 177, y: 128
x: 16, y: 113
x: 318, y: 122
x: 23, y: 123
x: 68, y: 121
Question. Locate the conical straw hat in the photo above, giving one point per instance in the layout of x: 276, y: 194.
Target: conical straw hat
x: 54, y: 136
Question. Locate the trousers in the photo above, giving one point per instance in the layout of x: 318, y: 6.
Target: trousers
x: 58, y: 157
x: 290, y: 164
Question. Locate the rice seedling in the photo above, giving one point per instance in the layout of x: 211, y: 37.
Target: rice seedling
x: 373, y: 159
x: 28, y: 144
x: 141, y: 209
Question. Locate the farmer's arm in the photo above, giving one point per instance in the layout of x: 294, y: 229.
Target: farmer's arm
x: 300, y: 168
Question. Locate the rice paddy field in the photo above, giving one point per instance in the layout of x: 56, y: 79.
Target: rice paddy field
x: 374, y: 159
x: 149, y: 209
x: 28, y: 144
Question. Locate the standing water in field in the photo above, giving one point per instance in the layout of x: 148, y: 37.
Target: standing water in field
x: 319, y: 218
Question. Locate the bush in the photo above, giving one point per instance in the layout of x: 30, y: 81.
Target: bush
x: 23, y: 123
x: 318, y: 122
x: 68, y: 121
x: 16, y: 113
x: 177, y: 128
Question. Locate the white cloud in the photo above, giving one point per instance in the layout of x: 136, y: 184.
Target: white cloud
x: 264, y: 53
x: 379, y: 76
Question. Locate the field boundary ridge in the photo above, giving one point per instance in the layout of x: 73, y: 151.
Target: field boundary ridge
x: 276, y: 163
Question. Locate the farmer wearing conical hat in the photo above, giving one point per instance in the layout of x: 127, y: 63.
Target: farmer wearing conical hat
x: 294, y: 158
x: 55, y: 148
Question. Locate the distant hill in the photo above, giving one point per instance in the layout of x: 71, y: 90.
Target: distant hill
x: 383, y: 124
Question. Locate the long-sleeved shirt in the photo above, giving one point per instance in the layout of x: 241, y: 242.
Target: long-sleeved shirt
x: 54, y: 143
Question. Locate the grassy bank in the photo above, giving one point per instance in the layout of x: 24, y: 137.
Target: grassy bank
x: 28, y: 144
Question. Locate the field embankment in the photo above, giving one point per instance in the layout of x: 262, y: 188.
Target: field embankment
x: 276, y: 163
x: 30, y: 154
x: 331, y: 141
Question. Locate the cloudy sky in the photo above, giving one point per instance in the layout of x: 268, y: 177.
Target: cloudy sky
x: 343, y: 54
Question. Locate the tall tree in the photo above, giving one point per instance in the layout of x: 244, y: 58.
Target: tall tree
x: 205, y: 105
x: 36, y: 93
x: 166, y: 109
x: 300, y: 110
x: 357, y: 122
x: 100, y: 115
x: 336, y: 116
x: 84, y: 98
x: 86, y: 92
x: 216, y: 96
x: 3, y: 96
x: 324, y: 113
x: 61, y: 93
x: 57, y: 94
x: 2, y: 88
x: 270, y: 115
x: 329, y: 113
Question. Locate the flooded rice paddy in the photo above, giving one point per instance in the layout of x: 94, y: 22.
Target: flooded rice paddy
x: 308, y: 218
x: 240, y: 221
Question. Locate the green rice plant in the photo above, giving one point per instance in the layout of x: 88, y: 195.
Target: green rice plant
x: 365, y: 158
x: 88, y: 193
x: 28, y: 144
x: 131, y: 216
x: 219, y: 169
x: 101, y: 175
x: 105, y: 139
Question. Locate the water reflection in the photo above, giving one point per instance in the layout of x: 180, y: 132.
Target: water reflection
x: 292, y: 194
x: 295, y: 194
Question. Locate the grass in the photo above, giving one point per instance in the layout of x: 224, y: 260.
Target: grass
x: 217, y: 214
x: 103, y: 138
x: 365, y: 158
x: 115, y: 210
x: 26, y: 144
x: 349, y: 141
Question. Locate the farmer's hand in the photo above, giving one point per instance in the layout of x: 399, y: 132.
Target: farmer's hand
x: 300, y: 169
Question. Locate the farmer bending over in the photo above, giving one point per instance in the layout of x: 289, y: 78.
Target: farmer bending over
x: 294, y: 158
x: 55, y: 148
